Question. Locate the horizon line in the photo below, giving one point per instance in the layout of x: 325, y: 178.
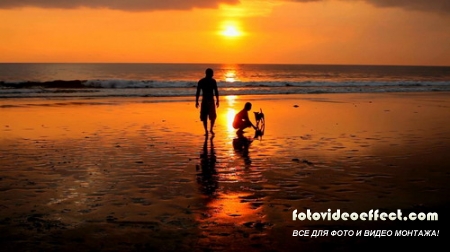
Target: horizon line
x: 215, y: 63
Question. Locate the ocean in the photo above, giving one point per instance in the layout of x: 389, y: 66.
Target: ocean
x: 59, y: 80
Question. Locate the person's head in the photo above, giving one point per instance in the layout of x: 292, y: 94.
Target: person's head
x: 209, y: 72
x: 248, y: 106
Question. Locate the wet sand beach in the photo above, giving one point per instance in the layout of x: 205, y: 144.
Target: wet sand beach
x: 137, y: 174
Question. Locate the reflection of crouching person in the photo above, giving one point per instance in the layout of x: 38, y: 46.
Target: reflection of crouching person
x: 241, y: 120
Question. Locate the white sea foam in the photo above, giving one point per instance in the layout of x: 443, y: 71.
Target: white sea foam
x: 102, y: 80
x: 130, y: 88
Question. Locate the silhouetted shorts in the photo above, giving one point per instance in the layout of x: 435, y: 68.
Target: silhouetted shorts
x: 208, y: 110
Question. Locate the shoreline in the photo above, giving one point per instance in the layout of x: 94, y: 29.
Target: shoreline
x: 133, y: 174
x: 252, y: 96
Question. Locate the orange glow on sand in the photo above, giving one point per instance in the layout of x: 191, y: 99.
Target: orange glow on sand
x: 232, y: 208
x: 111, y: 167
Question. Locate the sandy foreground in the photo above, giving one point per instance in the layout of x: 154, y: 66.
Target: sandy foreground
x: 137, y: 174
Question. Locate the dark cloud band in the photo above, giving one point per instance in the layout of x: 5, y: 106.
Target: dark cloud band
x: 442, y: 6
x: 421, y: 5
x: 126, y: 5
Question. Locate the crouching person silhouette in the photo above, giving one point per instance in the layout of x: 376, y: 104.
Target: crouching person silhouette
x: 241, y: 119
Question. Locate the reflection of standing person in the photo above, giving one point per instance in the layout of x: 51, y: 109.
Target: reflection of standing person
x: 208, y: 177
x: 208, y: 87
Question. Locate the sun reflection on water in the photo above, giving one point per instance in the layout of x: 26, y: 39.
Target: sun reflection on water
x: 230, y: 76
x: 234, y: 207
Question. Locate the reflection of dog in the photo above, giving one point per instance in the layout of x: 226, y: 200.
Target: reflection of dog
x: 258, y: 133
x: 260, y: 124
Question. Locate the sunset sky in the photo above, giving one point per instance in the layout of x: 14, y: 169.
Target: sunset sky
x: 397, y: 32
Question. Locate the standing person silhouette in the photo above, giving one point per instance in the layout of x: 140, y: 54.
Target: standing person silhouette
x: 208, y: 87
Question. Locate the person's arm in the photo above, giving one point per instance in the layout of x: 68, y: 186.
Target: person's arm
x: 197, y: 94
x: 247, y: 119
x: 216, y: 91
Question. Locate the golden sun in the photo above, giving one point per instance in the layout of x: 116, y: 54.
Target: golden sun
x: 231, y: 31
